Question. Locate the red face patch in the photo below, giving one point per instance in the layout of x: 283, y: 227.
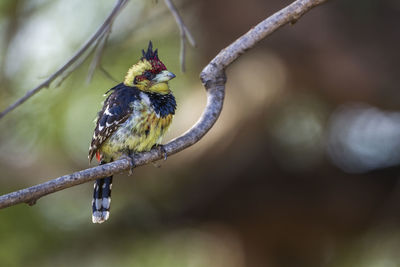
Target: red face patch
x: 157, y: 66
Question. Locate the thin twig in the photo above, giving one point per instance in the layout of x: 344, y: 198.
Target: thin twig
x: 107, y: 74
x: 213, y: 79
x: 98, y: 34
x: 101, y: 43
x: 189, y: 36
x: 63, y: 76
x: 182, y: 54
x: 184, y: 32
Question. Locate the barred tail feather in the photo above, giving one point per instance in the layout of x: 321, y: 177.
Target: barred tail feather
x: 101, y: 200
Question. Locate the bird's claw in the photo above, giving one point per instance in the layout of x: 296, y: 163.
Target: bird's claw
x: 161, y: 148
x: 130, y: 157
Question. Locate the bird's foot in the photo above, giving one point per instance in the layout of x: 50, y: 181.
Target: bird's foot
x: 161, y: 149
x: 130, y: 157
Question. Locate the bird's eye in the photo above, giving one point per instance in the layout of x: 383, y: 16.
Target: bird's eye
x: 149, y: 75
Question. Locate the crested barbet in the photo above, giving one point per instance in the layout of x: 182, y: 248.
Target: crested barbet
x: 135, y: 116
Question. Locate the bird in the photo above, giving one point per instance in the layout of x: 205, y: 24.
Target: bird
x: 134, y: 117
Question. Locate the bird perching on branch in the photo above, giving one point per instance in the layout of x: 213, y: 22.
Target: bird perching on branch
x: 134, y: 118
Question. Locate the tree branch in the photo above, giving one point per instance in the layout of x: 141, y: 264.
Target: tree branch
x: 101, y: 31
x: 213, y: 78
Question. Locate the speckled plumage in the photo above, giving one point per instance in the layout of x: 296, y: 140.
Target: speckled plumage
x: 137, y: 122
x: 135, y: 116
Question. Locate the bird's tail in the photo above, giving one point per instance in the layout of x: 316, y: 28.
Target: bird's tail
x: 101, y: 200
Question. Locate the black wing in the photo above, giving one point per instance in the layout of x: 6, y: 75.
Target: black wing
x: 116, y: 110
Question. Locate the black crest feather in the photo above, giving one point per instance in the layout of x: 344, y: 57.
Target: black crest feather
x: 150, y: 54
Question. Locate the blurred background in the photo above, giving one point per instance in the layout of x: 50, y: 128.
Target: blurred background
x: 301, y: 169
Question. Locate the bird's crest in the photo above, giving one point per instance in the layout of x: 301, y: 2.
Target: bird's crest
x: 152, y: 57
x: 150, y: 54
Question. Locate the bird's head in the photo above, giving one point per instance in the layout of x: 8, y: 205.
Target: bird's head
x: 149, y: 74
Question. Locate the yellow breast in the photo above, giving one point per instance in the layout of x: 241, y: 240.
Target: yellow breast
x: 137, y: 134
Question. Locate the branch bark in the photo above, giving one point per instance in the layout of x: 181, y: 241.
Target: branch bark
x: 213, y: 78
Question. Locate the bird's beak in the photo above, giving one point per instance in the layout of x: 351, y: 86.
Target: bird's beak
x: 163, y: 76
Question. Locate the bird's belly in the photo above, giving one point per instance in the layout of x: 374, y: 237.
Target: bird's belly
x: 137, y: 134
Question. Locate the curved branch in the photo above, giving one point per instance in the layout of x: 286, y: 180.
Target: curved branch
x: 213, y: 78
x: 101, y: 31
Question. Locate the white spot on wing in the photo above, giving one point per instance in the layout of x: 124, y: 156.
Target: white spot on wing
x: 107, y: 111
